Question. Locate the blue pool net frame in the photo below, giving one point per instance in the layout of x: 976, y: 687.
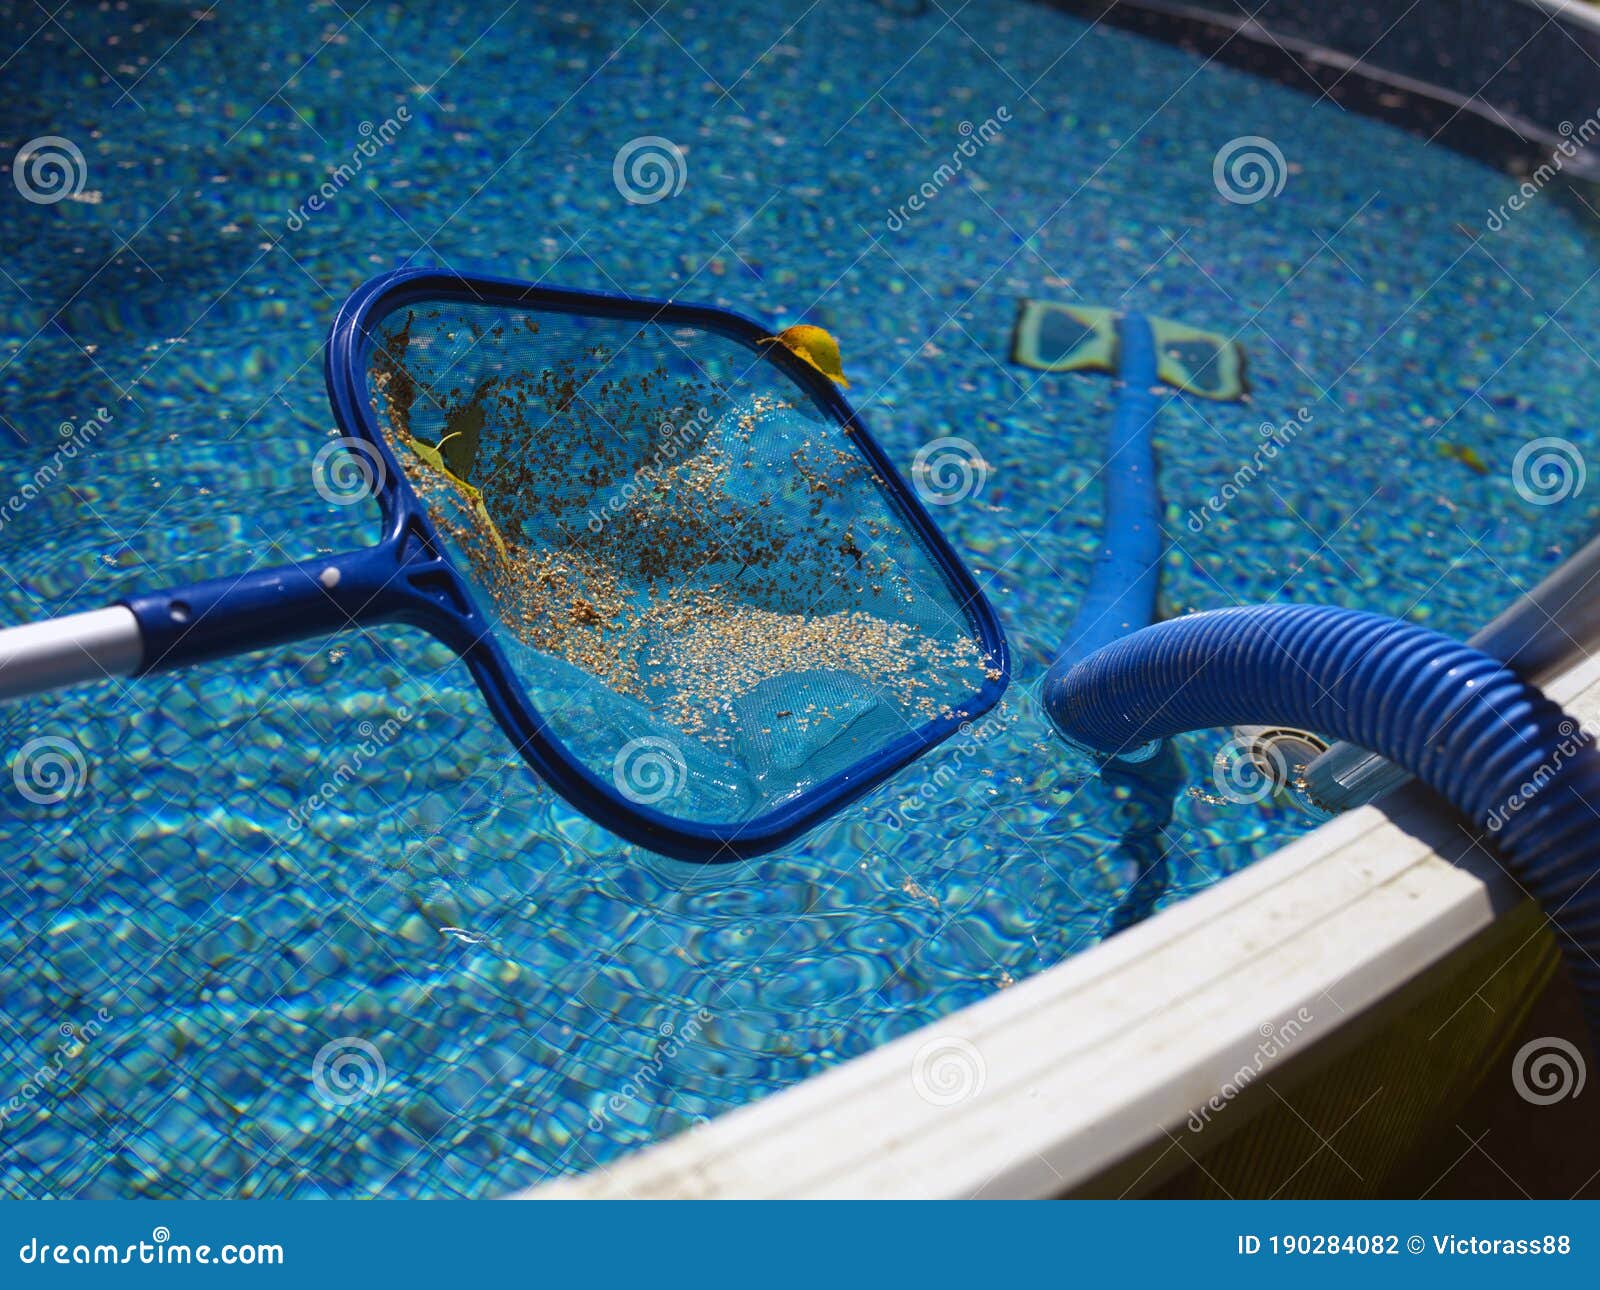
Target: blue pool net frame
x: 442, y: 601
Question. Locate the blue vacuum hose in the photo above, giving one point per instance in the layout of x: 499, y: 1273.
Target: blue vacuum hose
x: 1492, y: 745
x: 1121, y: 596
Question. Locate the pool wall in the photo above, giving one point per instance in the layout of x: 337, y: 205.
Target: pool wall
x: 1507, y: 81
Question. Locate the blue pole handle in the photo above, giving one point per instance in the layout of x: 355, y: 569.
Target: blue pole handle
x: 400, y: 580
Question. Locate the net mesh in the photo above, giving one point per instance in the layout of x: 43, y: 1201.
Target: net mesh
x: 696, y: 575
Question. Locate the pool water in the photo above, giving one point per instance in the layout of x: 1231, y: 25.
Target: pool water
x: 299, y: 924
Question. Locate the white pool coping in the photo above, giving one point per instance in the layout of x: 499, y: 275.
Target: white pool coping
x: 1053, y: 1082
x: 1578, y: 12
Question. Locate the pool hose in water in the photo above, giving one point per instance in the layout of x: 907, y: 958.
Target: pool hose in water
x: 1491, y: 744
x: 1121, y: 596
x: 1124, y: 583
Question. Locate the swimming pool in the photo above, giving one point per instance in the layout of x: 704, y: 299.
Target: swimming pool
x: 436, y: 979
